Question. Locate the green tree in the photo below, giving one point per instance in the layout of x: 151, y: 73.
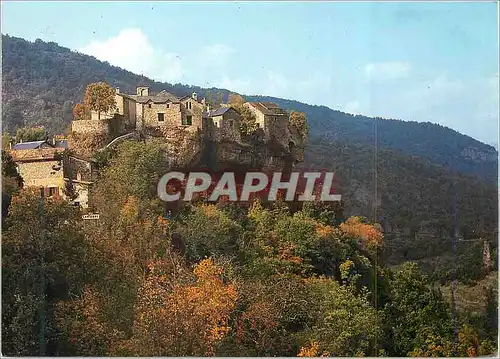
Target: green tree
x: 27, y: 134
x: 42, y: 263
x: 417, y: 312
x: 12, y: 182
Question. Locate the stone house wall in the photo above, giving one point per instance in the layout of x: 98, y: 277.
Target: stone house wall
x: 191, y: 107
x: 172, y: 114
x: 259, y: 116
x: 227, y: 126
x: 46, y: 173
x: 78, y: 169
x: 139, y: 116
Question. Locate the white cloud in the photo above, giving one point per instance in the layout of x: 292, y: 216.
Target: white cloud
x: 388, y: 70
x: 216, y: 54
x: 132, y: 50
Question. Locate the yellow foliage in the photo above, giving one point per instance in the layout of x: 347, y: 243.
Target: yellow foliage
x: 323, y: 230
x: 183, y: 319
x: 369, y: 234
x: 312, y: 352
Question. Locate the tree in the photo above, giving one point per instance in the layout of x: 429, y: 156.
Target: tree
x: 179, y: 319
x: 99, y: 97
x: 12, y: 182
x: 235, y: 99
x: 27, y: 134
x: 69, y: 190
x: 417, y: 313
x: 299, y: 121
x: 42, y: 263
x: 80, y: 112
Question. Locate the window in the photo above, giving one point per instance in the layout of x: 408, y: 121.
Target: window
x: 188, y: 121
x: 149, y: 105
x: 188, y: 105
x: 168, y: 105
x: 53, y: 191
x: 161, y: 117
x: 231, y: 123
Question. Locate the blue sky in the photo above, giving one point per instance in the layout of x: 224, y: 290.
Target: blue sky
x: 434, y: 62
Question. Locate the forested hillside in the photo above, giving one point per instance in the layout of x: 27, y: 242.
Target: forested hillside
x: 234, y: 279
x: 415, y: 163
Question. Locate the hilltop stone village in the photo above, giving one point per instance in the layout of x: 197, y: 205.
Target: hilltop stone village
x: 193, y: 134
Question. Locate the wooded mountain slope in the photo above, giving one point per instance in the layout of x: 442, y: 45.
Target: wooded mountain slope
x: 414, y: 166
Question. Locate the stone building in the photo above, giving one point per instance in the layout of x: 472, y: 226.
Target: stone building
x: 40, y: 165
x: 269, y: 117
x: 160, y: 111
x: 222, y: 124
x: 44, y: 164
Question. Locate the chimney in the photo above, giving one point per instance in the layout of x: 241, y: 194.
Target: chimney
x: 142, y: 91
x: 194, y: 96
x: 117, y: 90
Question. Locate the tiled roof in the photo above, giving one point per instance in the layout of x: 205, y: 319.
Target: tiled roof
x: 268, y: 108
x: 29, y: 145
x: 218, y: 112
x: 161, y: 97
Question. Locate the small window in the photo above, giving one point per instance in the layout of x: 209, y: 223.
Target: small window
x: 161, y: 117
x: 53, y: 191
x: 231, y: 123
x: 149, y: 105
x: 168, y: 105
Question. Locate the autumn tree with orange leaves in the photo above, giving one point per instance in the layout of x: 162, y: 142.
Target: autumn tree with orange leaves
x: 100, y: 97
x: 179, y: 319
